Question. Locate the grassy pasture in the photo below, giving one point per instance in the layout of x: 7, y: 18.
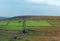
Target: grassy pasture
x: 37, y: 23
x: 18, y: 24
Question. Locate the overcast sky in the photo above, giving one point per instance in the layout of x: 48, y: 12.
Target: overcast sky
x: 10, y: 8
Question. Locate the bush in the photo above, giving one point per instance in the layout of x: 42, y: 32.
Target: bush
x: 19, y: 21
x: 15, y: 37
x: 27, y: 40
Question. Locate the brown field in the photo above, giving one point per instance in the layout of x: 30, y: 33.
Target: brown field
x: 48, y: 34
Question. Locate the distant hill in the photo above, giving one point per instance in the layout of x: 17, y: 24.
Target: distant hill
x: 35, y: 17
x: 1, y: 18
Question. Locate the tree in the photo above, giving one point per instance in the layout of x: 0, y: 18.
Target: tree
x: 24, y: 27
x: 7, y: 23
x: 19, y: 21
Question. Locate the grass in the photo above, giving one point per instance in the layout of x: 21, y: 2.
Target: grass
x: 13, y: 27
x: 3, y: 38
x: 37, y: 23
x: 18, y: 24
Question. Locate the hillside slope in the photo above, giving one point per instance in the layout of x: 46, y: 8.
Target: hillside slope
x: 36, y: 17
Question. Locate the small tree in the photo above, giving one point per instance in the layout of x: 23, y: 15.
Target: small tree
x: 19, y: 21
x: 15, y: 37
x: 27, y: 40
x: 24, y: 27
x: 7, y: 23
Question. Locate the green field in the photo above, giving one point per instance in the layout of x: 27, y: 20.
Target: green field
x: 18, y: 24
x: 37, y: 23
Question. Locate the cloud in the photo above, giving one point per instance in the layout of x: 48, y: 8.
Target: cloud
x: 51, y: 2
x: 10, y: 8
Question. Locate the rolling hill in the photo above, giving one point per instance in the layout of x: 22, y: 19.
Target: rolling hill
x: 36, y: 17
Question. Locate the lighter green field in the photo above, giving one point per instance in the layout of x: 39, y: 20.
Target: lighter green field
x: 18, y: 24
x: 37, y: 23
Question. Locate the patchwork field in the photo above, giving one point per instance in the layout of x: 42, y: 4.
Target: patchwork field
x: 18, y: 24
x: 37, y: 30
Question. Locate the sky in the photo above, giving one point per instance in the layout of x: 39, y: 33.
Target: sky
x: 11, y: 8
